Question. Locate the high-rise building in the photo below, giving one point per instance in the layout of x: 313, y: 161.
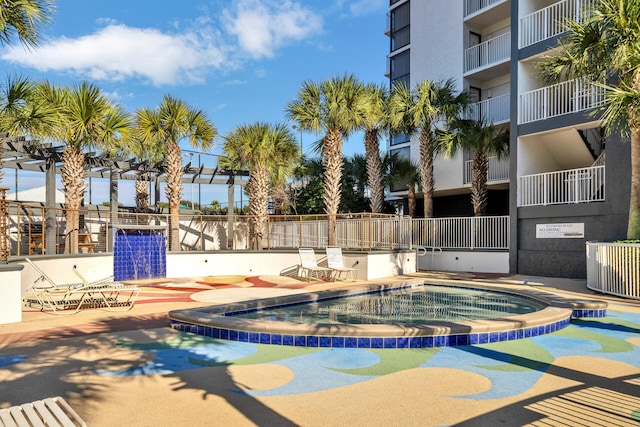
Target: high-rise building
x: 555, y: 186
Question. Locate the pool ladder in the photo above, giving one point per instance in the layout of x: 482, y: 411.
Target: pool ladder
x: 424, y: 250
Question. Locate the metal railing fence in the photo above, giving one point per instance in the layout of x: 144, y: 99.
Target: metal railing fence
x: 498, y: 170
x: 473, y: 6
x: 489, y: 52
x: 36, y: 230
x: 550, y: 21
x: 614, y: 268
x: 561, y: 187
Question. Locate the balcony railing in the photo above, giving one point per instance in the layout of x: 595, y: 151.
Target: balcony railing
x: 473, y: 6
x: 485, y: 232
x: 492, y: 51
x: 550, y: 21
x: 498, y: 170
x: 493, y: 110
x: 569, y: 186
x: 564, y: 98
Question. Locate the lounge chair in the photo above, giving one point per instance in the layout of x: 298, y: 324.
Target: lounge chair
x: 309, y: 265
x: 53, y: 411
x: 336, y: 264
x: 72, y: 297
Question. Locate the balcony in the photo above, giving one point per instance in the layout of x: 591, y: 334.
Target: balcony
x: 498, y: 170
x: 493, y: 51
x: 550, y: 21
x: 582, y: 185
x: 493, y: 110
x: 475, y: 6
x: 563, y: 98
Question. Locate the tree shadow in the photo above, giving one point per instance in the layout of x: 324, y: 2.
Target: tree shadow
x: 518, y: 412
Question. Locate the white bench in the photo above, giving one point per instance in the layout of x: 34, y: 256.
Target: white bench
x: 51, y: 412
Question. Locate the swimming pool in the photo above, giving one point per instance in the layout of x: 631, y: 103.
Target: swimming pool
x: 522, y: 314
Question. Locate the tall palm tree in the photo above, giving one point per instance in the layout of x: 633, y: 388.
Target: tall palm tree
x: 603, y: 45
x: 148, y: 147
x: 483, y: 140
x: 402, y: 171
x: 334, y: 107
x: 355, y: 167
x: 421, y: 111
x: 23, y: 19
x: 85, y: 117
x: 375, y: 120
x: 259, y: 147
x: 170, y: 123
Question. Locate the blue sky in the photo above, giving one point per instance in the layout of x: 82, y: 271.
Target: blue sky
x: 240, y: 61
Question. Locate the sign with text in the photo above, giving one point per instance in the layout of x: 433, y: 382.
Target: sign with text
x: 573, y: 230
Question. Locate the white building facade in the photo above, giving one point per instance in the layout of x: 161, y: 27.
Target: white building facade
x: 556, y: 186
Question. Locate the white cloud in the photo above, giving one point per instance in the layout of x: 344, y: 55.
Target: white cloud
x: 117, y: 52
x: 262, y: 27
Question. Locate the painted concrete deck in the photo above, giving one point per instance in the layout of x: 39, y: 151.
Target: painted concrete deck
x: 131, y: 369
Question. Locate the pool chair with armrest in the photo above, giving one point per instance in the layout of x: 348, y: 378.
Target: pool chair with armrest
x: 70, y: 298
x: 309, y: 265
x: 53, y: 411
x: 335, y: 262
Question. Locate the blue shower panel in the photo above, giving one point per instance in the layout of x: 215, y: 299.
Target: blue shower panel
x: 139, y: 254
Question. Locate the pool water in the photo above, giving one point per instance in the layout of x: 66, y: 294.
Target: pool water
x: 418, y: 306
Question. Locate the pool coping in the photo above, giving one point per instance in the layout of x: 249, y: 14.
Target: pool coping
x: 211, y: 321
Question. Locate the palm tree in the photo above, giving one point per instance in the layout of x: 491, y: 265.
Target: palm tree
x: 355, y: 167
x: 85, y: 117
x: 148, y: 147
x: 375, y: 119
x: 604, y: 46
x: 483, y: 140
x: 402, y: 171
x: 334, y: 107
x: 259, y: 147
x: 170, y: 123
x: 23, y: 19
x: 420, y: 112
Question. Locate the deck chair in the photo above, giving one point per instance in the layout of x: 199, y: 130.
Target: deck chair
x: 336, y: 264
x: 53, y: 411
x: 70, y: 298
x: 309, y: 266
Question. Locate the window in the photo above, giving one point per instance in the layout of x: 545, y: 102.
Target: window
x: 399, y: 183
x: 400, y: 68
x: 400, y: 20
x: 399, y: 139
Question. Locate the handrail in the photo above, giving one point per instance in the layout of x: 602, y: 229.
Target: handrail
x: 422, y: 251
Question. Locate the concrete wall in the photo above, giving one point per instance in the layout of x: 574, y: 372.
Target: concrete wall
x: 470, y: 261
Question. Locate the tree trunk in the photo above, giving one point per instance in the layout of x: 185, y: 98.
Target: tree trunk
x: 142, y: 194
x: 411, y: 200
x: 332, y: 163
x: 258, y: 191
x: 633, y: 228
x: 73, y: 177
x: 426, y: 170
x: 479, y: 192
x: 374, y: 171
x: 173, y: 159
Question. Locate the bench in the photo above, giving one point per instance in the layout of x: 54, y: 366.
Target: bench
x: 53, y: 411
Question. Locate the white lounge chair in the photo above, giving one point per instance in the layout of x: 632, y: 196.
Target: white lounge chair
x: 72, y: 297
x: 53, y: 411
x: 309, y: 265
x: 335, y: 262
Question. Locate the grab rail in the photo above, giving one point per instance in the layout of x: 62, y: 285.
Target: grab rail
x: 422, y: 251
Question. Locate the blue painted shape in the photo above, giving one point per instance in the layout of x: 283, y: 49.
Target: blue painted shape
x: 11, y: 359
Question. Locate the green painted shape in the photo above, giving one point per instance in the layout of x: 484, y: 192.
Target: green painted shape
x: 393, y: 360
x: 519, y: 355
x: 635, y: 415
x: 609, y: 344
x: 271, y: 353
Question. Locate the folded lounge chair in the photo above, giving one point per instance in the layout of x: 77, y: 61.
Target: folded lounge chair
x: 336, y: 264
x: 309, y: 266
x: 72, y: 297
x: 53, y: 411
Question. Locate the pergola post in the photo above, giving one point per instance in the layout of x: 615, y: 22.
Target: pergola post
x: 230, y: 212
x: 50, y: 222
x: 113, y: 207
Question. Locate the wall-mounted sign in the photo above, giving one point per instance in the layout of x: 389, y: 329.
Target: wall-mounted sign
x: 573, y: 230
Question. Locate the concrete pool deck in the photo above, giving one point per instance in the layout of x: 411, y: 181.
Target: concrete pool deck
x: 130, y: 368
